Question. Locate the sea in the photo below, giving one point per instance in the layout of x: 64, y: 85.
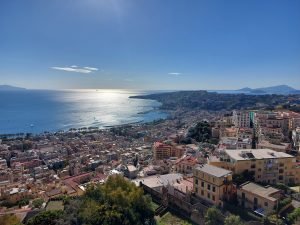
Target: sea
x: 38, y: 111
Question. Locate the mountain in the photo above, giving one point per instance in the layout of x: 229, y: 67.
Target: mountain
x: 279, y: 90
x: 11, y: 88
x: 246, y: 89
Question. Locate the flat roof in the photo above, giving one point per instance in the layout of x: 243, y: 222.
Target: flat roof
x: 159, y: 180
x: 213, y: 170
x: 246, y: 154
x: 261, y: 191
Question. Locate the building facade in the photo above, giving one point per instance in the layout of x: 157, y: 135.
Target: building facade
x: 266, y: 165
x: 212, y: 184
x: 261, y: 199
x: 241, y: 118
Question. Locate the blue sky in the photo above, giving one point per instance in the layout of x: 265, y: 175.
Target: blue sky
x: 149, y: 44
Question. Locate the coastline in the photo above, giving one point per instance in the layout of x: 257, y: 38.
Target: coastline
x: 40, y: 111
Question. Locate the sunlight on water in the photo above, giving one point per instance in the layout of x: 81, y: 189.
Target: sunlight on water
x: 38, y: 111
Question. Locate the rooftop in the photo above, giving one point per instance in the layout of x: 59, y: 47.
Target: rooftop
x: 246, y: 154
x: 159, y: 180
x: 265, y: 192
x: 213, y: 170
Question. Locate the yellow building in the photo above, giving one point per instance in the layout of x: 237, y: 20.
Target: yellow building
x: 267, y: 165
x: 255, y: 197
x: 212, y: 184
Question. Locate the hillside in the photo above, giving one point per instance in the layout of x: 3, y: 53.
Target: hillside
x: 215, y: 101
x: 10, y: 88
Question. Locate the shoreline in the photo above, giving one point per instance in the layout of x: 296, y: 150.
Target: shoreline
x: 85, y: 129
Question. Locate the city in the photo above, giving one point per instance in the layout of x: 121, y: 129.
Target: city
x: 249, y: 159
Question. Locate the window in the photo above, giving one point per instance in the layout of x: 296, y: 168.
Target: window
x: 208, y: 186
x: 214, y: 189
x: 266, y: 204
x: 202, y: 192
x: 208, y: 195
x: 202, y: 184
x: 196, y: 190
x: 196, y: 181
x: 213, y: 198
x: 243, y: 195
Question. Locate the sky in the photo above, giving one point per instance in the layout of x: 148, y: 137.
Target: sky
x: 149, y: 44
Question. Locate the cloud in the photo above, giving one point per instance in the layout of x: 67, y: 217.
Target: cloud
x: 91, y: 68
x: 175, y: 74
x: 76, y: 69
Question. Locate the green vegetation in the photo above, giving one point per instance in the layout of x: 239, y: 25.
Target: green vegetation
x: 243, y: 177
x: 213, y: 217
x: 243, y: 213
x: 20, y: 203
x: 9, y: 220
x: 118, y: 201
x: 170, y: 218
x: 283, y: 203
x: 233, y: 220
x: 46, y: 218
x: 37, y: 203
x: 272, y: 220
x: 294, y: 217
x: 55, y: 205
x: 201, y: 132
x: 203, y: 100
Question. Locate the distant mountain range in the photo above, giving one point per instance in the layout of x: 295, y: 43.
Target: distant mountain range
x: 11, y: 88
x: 279, y: 90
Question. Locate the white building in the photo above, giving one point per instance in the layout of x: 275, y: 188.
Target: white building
x: 241, y: 118
x: 296, y: 138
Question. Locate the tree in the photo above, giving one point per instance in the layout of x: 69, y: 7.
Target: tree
x: 201, y: 132
x: 233, y: 220
x: 294, y: 216
x: 117, y: 202
x: 46, y: 218
x: 213, y: 217
x: 37, y: 203
x: 9, y: 220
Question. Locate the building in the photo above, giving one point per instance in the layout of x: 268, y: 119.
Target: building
x: 131, y: 171
x: 229, y: 132
x: 241, y: 118
x: 267, y: 166
x: 271, y: 125
x: 165, y: 151
x: 186, y: 165
x: 296, y: 139
x: 276, y: 146
x: 212, y: 184
x: 235, y: 143
x: 262, y: 200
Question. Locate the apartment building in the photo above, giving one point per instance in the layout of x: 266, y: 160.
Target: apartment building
x: 212, y: 184
x: 267, y: 165
x: 164, y: 151
x: 235, y: 143
x: 276, y: 146
x: 186, y: 165
x: 241, y: 118
x: 271, y: 125
x: 296, y: 138
x: 262, y: 200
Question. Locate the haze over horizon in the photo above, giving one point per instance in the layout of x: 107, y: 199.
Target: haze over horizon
x: 153, y: 45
